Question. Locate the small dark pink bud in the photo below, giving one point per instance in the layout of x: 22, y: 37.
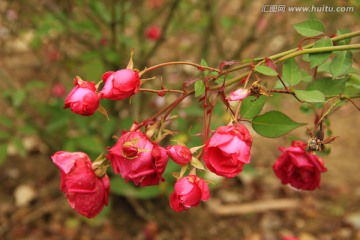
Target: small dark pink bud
x: 180, y: 154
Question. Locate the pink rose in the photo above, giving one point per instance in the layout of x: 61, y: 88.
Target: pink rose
x: 239, y: 94
x: 153, y: 33
x: 138, y: 159
x: 226, y: 152
x: 188, y: 192
x: 120, y: 84
x: 300, y: 169
x: 86, y: 193
x: 180, y: 154
x: 82, y: 99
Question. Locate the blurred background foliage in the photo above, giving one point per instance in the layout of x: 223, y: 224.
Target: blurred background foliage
x: 44, y: 44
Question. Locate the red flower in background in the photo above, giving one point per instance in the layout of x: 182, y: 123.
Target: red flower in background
x: 58, y: 90
x: 138, y: 159
x: 86, y: 193
x: 120, y: 84
x: 179, y: 153
x: 82, y: 99
x: 155, y: 3
x: 226, y: 152
x: 300, y: 169
x: 188, y: 192
x: 290, y: 238
x: 153, y: 33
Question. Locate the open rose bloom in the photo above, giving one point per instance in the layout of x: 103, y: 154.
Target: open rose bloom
x: 300, y: 169
x: 188, y: 192
x: 83, y: 98
x: 138, y: 159
x: 86, y: 193
x: 226, y: 152
x: 120, y: 84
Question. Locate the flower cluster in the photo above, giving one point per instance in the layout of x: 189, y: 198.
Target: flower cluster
x: 138, y: 157
x: 84, y: 98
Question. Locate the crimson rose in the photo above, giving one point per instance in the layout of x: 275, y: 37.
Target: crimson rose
x: 188, y: 192
x: 120, y: 84
x: 138, y: 159
x: 82, y: 99
x: 86, y: 193
x: 226, y: 152
x: 299, y: 168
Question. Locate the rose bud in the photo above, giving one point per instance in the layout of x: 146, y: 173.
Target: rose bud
x: 300, y: 169
x: 226, y: 152
x: 239, y: 94
x: 138, y: 159
x: 120, y: 84
x: 188, y: 192
x: 153, y: 33
x: 86, y: 193
x: 179, y: 153
x: 82, y: 99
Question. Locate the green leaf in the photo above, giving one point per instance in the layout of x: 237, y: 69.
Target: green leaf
x: 319, y: 58
x: 120, y: 187
x: 57, y: 124
x: 352, y: 86
x: 20, y: 148
x: 310, y: 28
x: 18, y: 97
x: 6, y: 122
x: 291, y: 72
x: 3, y: 153
x: 274, y: 124
x: 266, y: 70
x: 341, y: 65
x: 328, y: 86
x: 325, y: 67
x: 313, y: 96
x: 35, y: 84
x: 305, y: 76
x: 4, y: 135
x: 199, y: 88
x: 205, y: 64
x: 251, y: 106
x: 341, y: 32
x: 196, y: 163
